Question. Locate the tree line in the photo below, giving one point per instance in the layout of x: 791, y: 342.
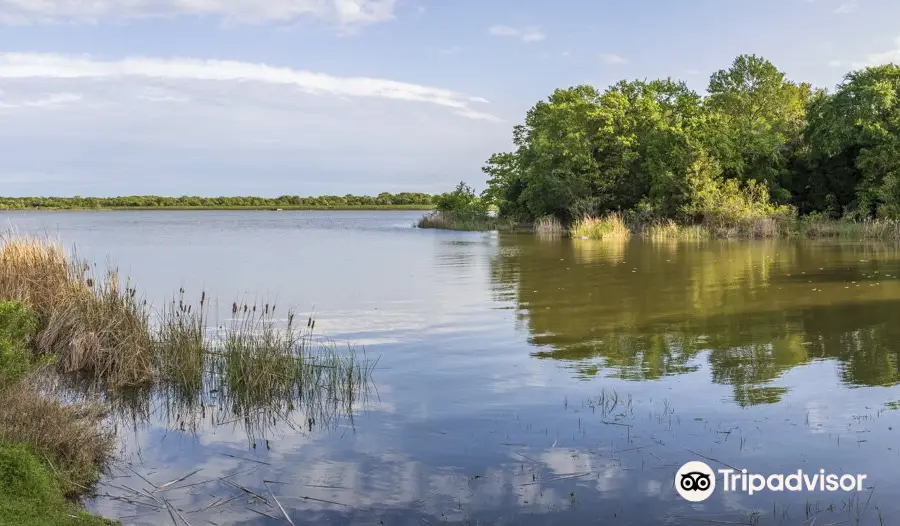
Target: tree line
x: 755, y: 145
x: 402, y: 199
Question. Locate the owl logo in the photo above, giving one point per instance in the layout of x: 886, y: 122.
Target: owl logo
x: 695, y: 481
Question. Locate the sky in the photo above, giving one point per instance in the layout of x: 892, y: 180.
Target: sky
x: 311, y: 97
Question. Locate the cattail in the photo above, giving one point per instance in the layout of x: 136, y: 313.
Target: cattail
x: 234, y: 308
x: 90, y: 282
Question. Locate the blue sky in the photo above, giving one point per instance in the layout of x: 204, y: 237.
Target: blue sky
x: 253, y: 97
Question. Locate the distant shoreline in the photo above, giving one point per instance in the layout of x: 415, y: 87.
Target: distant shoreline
x: 215, y: 208
x: 382, y: 201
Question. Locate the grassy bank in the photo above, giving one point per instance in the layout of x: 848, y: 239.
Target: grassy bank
x: 99, y: 337
x: 468, y: 222
x: 614, y: 226
x: 620, y: 227
x: 50, y: 453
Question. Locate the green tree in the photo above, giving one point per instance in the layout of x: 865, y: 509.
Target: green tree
x: 854, y: 141
x: 756, y: 120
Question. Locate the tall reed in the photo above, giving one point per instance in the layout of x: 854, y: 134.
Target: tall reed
x: 549, y: 226
x: 611, y: 226
x: 93, y: 326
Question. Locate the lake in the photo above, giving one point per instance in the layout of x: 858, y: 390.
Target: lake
x: 522, y: 380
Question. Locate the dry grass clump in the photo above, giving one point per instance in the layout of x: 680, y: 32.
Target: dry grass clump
x: 549, y: 226
x: 669, y: 230
x: 611, y: 226
x: 34, y: 271
x: 102, y: 330
x: 72, y: 438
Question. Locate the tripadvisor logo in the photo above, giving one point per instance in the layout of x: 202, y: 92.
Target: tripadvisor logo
x: 696, y: 481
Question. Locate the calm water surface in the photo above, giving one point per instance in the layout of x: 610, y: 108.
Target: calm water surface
x: 525, y: 380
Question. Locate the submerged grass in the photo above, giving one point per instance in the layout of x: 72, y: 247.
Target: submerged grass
x: 550, y: 226
x: 101, y: 338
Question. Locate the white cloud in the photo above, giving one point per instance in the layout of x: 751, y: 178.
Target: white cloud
x: 344, y: 12
x: 612, y: 59
x: 152, y: 125
x: 525, y: 34
x: 883, y: 57
x: 52, y: 100
x: 49, y: 66
x: 847, y: 7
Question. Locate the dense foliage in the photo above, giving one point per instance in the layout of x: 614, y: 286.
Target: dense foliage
x: 756, y: 146
x: 403, y: 199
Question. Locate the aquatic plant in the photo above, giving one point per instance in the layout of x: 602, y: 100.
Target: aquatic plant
x: 549, y: 226
x: 611, y: 226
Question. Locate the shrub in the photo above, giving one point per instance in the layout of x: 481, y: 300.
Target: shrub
x: 462, y: 202
x: 30, y: 494
x: 18, y: 325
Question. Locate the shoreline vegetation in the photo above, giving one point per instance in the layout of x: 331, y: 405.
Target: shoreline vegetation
x: 68, y: 334
x: 756, y: 156
x: 383, y: 201
x: 621, y: 227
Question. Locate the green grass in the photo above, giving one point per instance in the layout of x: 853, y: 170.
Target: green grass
x: 48, y: 451
x: 32, y: 494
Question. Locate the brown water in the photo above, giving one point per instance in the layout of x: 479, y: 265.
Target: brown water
x: 525, y: 380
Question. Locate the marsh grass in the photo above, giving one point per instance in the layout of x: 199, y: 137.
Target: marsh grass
x: 103, y: 338
x: 549, y: 226
x: 669, y: 230
x: 609, y: 227
x: 71, y: 437
x: 816, y: 227
x: 182, y: 347
x: 93, y: 326
x: 102, y: 329
x: 35, y: 271
x: 450, y: 221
